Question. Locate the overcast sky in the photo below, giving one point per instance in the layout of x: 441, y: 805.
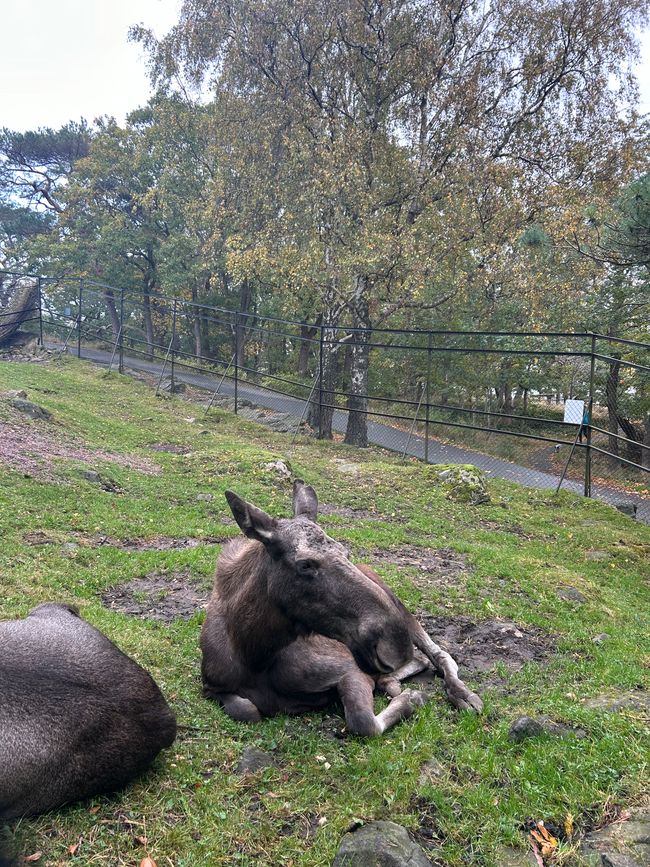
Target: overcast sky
x: 61, y: 60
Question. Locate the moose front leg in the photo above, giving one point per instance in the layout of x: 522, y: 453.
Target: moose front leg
x: 356, y: 691
x: 457, y: 693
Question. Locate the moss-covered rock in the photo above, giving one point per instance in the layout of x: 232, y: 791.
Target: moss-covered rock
x: 463, y: 483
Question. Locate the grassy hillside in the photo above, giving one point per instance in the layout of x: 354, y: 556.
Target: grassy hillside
x: 153, y: 520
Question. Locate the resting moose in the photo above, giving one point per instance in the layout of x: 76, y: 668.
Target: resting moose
x: 292, y: 624
x: 77, y: 716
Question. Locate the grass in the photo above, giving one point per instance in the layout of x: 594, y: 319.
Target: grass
x: 191, y: 808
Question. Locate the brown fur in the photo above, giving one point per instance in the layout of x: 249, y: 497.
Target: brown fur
x: 292, y: 624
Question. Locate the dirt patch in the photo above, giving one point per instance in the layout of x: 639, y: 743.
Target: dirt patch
x: 156, y: 543
x: 479, y: 647
x: 172, y: 448
x: 162, y: 595
x: 348, y: 512
x: 444, y: 563
x: 32, y: 449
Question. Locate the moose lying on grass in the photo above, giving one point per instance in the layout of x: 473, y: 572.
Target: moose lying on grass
x: 292, y: 624
x: 77, y: 716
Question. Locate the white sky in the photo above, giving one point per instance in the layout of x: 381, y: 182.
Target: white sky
x: 61, y: 60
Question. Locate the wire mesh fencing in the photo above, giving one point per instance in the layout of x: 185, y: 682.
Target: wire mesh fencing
x: 541, y: 409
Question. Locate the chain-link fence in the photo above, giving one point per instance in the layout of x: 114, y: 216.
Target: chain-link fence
x: 536, y: 408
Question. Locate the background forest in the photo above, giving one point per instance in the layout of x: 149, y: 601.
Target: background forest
x: 427, y: 164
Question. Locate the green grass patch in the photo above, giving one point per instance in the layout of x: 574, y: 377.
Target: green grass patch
x: 65, y: 538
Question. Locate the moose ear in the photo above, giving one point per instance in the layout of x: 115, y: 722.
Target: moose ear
x: 305, y: 501
x: 254, y: 522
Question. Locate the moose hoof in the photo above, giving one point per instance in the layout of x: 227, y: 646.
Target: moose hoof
x: 389, y: 685
x: 463, y: 698
x: 412, y: 698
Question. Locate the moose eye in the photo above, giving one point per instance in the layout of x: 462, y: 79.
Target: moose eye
x: 307, y: 568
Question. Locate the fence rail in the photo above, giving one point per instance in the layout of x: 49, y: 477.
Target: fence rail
x: 488, y: 395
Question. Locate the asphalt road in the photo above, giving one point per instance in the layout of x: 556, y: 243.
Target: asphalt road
x: 384, y: 435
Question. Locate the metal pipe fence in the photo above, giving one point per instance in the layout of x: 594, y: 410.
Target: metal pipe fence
x: 493, y: 398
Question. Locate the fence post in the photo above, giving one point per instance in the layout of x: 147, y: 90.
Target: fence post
x: 40, y: 312
x: 81, y: 288
x: 236, y: 360
x: 173, y: 344
x: 320, y: 383
x: 591, y: 410
x: 426, y: 426
x: 121, y: 363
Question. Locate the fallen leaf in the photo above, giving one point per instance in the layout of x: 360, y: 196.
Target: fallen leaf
x: 35, y: 857
x: 72, y: 850
x: 148, y: 862
x: 546, y: 842
x: 141, y: 840
x: 94, y: 810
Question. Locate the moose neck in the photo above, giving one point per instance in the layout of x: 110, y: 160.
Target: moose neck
x: 256, y: 625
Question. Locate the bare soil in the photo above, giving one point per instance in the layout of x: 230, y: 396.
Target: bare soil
x: 480, y: 647
x: 162, y: 595
x: 155, y: 543
x: 442, y: 563
x: 32, y: 448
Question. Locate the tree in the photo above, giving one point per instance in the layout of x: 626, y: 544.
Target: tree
x: 384, y: 109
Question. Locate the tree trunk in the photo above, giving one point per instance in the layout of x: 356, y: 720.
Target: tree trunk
x: 611, y: 393
x: 146, y: 314
x: 243, y: 322
x: 307, y: 335
x: 356, y: 433
x: 196, y: 323
x: 114, y: 316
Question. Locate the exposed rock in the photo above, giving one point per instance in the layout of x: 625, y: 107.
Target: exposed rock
x: 597, y: 555
x: 91, y: 476
x: 570, y: 594
x: 525, y: 727
x: 638, y: 700
x: 531, y: 727
x: 508, y: 856
x: 621, y: 844
x: 31, y: 409
x: 69, y: 549
x: 346, y: 467
x: 280, y: 468
x: 430, y: 772
x: 178, y: 387
x: 601, y: 637
x: 17, y: 392
x: 628, y: 509
x: 205, y: 498
x: 253, y: 760
x: 380, y: 844
x: 463, y: 483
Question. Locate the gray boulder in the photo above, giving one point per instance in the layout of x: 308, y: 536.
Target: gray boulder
x: 621, y: 844
x: 380, y: 844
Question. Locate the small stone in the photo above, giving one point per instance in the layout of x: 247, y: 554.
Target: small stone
x: 205, y: 498
x: 380, y: 844
x: 601, y: 637
x: 16, y: 393
x: 91, y: 476
x: 525, y: 727
x: 570, y: 594
x: 69, y: 548
x: 253, y: 760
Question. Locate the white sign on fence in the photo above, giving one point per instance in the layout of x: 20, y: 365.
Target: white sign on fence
x: 574, y: 411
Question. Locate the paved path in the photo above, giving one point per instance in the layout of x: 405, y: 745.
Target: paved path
x: 384, y: 435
